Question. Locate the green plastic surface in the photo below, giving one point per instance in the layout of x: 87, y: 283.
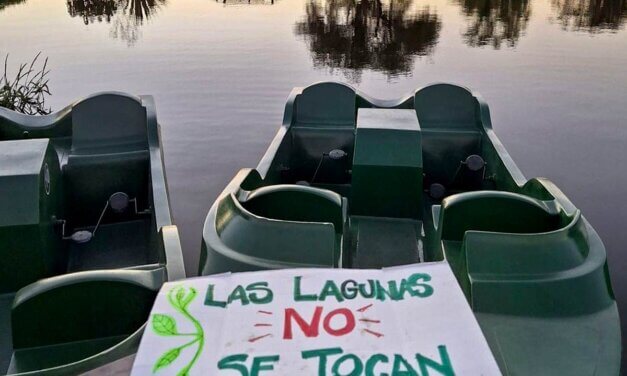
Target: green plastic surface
x: 67, y: 307
x: 384, y: 184
x: 532, y: 268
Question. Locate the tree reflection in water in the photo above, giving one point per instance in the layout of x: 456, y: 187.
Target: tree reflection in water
x: 353, y: 35
x: 494, y: 22
x: 7, y: 3
x: 246, y: 2
x: 125, y: 16
x: 591, y: 15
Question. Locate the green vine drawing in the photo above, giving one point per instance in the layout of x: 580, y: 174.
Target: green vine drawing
x: 165, y: 325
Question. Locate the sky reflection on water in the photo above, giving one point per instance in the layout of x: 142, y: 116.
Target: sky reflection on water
x: 379, y: 35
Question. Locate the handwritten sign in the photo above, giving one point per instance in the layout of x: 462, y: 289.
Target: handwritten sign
x: 411, y: 320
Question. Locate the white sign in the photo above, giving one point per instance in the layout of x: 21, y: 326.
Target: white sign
x: 411, y: 320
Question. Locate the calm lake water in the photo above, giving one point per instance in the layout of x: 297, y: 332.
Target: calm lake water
x: 553, y: 71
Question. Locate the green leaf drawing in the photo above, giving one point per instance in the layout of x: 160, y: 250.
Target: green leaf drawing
x: 180, y: 294
x: 164, y: 325
x: 188, y: 299
x: 167, y: 358
x: 179, y: 298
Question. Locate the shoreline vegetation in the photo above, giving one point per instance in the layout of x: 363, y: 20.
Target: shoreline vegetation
x: 26, y: 91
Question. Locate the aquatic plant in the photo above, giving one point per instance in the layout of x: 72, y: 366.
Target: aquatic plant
x: 26, y: 92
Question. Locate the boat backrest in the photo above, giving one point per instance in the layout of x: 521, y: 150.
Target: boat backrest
x: 108, y: 123
x: 326, y: 104
x: 450, y: 129
x: 445, y: 106
x: 109, y: 154
x: 324, y: 119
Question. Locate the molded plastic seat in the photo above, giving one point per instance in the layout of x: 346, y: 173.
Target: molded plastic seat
x: 278, y: 243
x: 517, y: 255
x: 108, y: 136
x: 450, y: 129
x: 87, y: 309
x: 297, y: 203
x: 494, y: 211
x: 276, y: 227
x: 324, y: 120
x: 487, y: 213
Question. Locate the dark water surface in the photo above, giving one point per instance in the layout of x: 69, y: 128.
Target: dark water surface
x: 553, y: 71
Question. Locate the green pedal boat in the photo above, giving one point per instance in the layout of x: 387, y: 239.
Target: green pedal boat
x: 86, y: 236
x: 354, y: 182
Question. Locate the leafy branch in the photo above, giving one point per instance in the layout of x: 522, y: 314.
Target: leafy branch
x: 165, y: 325
x: 26, y: 92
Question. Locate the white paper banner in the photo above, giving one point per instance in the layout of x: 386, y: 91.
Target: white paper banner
x: 410, y: 320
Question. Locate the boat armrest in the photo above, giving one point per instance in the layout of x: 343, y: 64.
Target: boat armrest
x: 83, y: 306
x: 545, y: 190
x: 173, y: 253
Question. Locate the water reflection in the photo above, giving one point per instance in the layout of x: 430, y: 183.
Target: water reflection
x: 7, y: 3
x: 244, y: 2
x: 125, y: 16
x: 353, y: 35
x: 494, y: 22
x: 591, y: 15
